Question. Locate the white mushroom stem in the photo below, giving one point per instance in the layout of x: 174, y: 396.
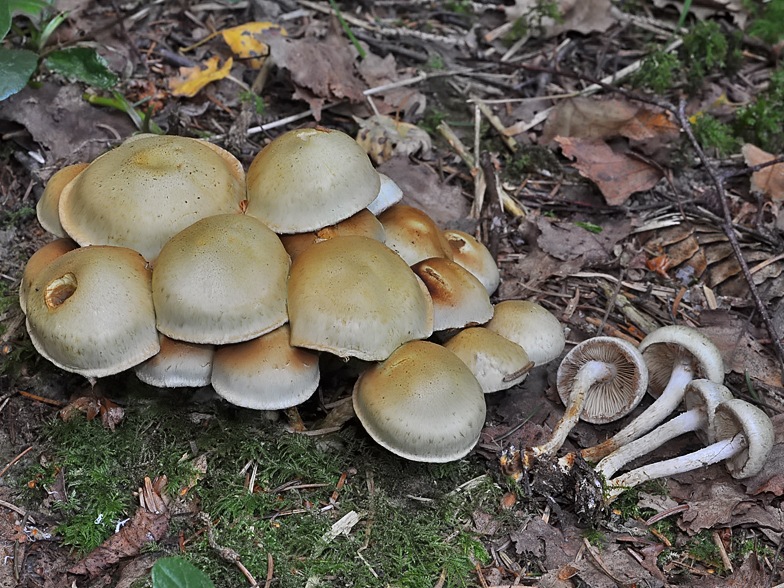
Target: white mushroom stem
x: 591, y: 373
x: 719, y: 451
x: 665, y: 404
x: 686, y: 422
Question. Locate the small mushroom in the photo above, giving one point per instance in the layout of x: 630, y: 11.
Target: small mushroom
x: 307, y: 179
x: 48, y: 206
x: 265, y: 373
x: 496, y: 362
x: 413, y: 235
x: 459, y: 299
x: 531, y: 326
x: 178, y: 364
x: 701, y: 399
x: 38, y: 261
x: 363, y: 224
x: 675, y: 355
x: 600, y: 380
x: 475, y: 257
x: 744, y: 439
x: 354, y: 297
x: 90, y: 311
x: 422, y: 403
x: 221, y: 280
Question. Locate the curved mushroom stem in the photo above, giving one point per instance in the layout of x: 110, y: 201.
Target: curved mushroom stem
x: 592, y: 372
x: 671, y: 396
x: 719, y: 451
x: 686, y: 422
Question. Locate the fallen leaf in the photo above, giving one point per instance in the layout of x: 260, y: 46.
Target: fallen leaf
x: 768, y: 181
x: 569, y: 241
x: 620, y: 564
x: 715, y: 507
x: 383, y: 137
x: 110, y: 413
x: 617, y: 175
x: 404, y: 100
x: 193, y: 79
x: 553, y: 547
x: 246, y: 40
x: 584, y: 16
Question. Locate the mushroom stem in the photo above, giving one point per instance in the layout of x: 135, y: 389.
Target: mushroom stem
x: 682, y: 374
x: 592, y: 372
x: 719, y: 451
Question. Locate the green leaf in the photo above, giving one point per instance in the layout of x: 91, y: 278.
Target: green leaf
x: 82, y: 63
x: 30, y: 7
x: 5, y: 20
x: 175, y: 572
x: 16, y: 67
x: 590, y: 227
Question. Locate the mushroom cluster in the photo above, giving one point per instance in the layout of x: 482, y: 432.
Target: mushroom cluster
x: 173, y: 262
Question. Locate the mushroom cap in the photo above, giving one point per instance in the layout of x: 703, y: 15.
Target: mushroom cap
x: 662, y: 347
x: 307, y: 179
x: 265, y: 373
x: 352, y: 296
x: 413, y: 235
x: 490, y: 357
x: 178, y: 364
x: 38, y: 261
x: 388, y: 194
x: 459, y: 299
x: 737, y: 416
x: 705, y: 395
x: 48, y: 207
x: 221, y: 280
x: 149, y: 189
x: 90, y: 311
x: 611, y: 399
x: 475, y: 257
x: 422, y: 403
x: 531, y: 326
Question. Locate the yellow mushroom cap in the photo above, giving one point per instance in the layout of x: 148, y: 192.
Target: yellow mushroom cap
x: 422, y: 403
x: 148, y: 189
x: 38, y: 261
x: 413, y: 235
x: 221, y: 280
x: 48, y: 207
x: 90, y: 311
x: 266, y: 373
x: 307, y: 179
x: 475, y: 257
x: 352, y: 296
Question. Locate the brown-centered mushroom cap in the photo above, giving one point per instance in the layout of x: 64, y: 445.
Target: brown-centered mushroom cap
x: 266, y: 373
x: 307, y: 179
x: 48, y: 207
x: 149, y: 189
x: 38, y: 261
x: 475, y: 257
x: 352, y: 296
x: 496, y: 362
x: 90, y: 311
x: 363, y: 224
x: 422, y: 403
x: 531, y: 326
x: 221, y: 280
x: 459, y: 299
x: 178, y: 364
x: 413, y: 235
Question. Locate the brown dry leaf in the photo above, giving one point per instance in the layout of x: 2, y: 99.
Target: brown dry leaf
x: 769, y: 180
x: 110, y: 413
x: 718, y: 504
x: 246, y: 40
x: 617, y: 175
x: 377, y: 71
x: 553, y: 547
x: 193, y: 79
x: 321, y: 70
x: 568, y: 241
x: 150, y: 523
x: 622, y: 566
x: 583, y: 16
x: 383, y: 137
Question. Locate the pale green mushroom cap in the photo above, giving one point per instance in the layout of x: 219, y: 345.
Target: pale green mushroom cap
x: 148, y: 189
x: 90, y: 311
x: 422, y: 403
x: 307, y: 179
x: 221, y: 280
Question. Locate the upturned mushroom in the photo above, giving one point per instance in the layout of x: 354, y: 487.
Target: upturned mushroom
x: 600, y: 380
x: 307, y: 179
x: 90, y: 311
x: 701, y: 399
x: 422, y: 403
x: 475, y: 257
x: 148, y: 189
x: 531, y: 326
x: 354, y: 297
x: 744, y: 439
x: 413, y: 235
x: 675, y: 355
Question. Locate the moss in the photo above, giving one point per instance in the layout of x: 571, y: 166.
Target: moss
x: 762, y: 123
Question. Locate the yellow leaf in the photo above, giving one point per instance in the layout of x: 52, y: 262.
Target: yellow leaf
x: 245, y: 40
x: 193, y: 79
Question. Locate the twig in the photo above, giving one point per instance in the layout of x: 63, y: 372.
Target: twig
x: 495, y: 212
x: 13, y: 461
x: 226, y: 553
x: 270, y: 568
x: 600, y: 563
x: 725, y: 559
